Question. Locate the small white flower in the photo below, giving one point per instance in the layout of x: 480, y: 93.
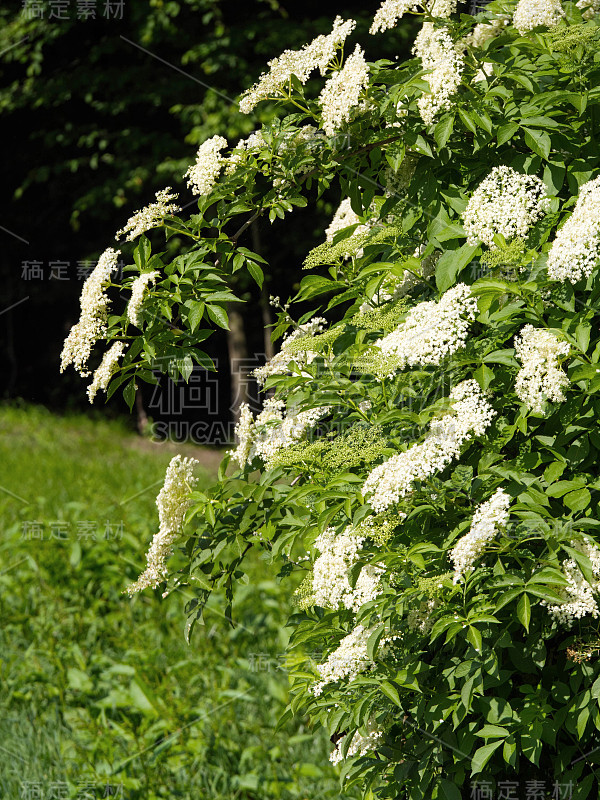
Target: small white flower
x: 578, y: 595
x: 279, y: 364
x: 203, y: 175
x: 94, y: 305
x: 430, y: 331
x: 470, y: 416
x: 438, y: 53
x: 172, y: 502
x: 360, y: 744
x: 342, y: 91
x: 106, y: 370
x: 274, y: 428
x: 151, y: 216
x: 138, y: 291
x: 530, y: 14
x: 331, y: 586
x: 589, y: 8
x: 506, y: 203
x: 347, y: 661
x: 488, y: 518
x: 300, y: 63
x: 540, y: 377
x: 576, y: 248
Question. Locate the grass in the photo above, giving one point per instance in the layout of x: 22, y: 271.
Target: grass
x: 101, y: 696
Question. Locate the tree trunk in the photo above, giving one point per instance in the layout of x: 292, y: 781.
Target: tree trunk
x: 142, y: 417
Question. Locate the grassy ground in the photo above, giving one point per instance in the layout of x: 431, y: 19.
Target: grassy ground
x: 100, y: 695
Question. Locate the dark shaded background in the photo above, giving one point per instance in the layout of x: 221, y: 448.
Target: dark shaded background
x: 96, y: 115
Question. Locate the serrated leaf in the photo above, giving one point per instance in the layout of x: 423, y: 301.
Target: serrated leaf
x: 256, y: 273
x: 443, y: 130
x: 129, y: 393
x: 538, y: 141
x: 218, y: 315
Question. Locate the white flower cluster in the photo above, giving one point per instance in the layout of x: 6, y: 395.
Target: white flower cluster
x: 390, y: 11
x: 470, y: 416
x: 589, y: 8
x: 438, y: 53
x: 486, y: 71
x: 360, y: 744
x: 273, y: 429
x: 172, y: 503
x: 203, y: 175
x: 347, y: 661
x: 431, y: 330
x: 487, y: 520
x: 530, y: 14
x: 506, y: 203
x: 151, y: 216
x: 579, y: 596
x: 420, y: 619
x: 342, y: 91
x: 575, y: 250
x: 483, y: 32
x: 343, y: 218
x: 318, y: 54
x: 94, y: 312
x: 331, y: 587
x: 251, y: 144
x: 540, y: 377
x: 443, y: 8
x: 106, y: 370
x: 279, y: 364
x: 138, y: 291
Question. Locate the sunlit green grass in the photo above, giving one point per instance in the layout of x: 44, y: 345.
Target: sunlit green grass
x: 99, y: 691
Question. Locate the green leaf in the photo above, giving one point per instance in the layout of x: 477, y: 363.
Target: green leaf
x: 467, y: 121
x: 373, y: 642
x: 390, y: 691
x: 492, y: 732
x: 538, y: 141
x: 506, y: 132
x: 483, y: 755
x: 524, y: 611
x: 218, y: 315
x: 443, y: 130
x: 186, y: 367
x: 509, y: 751
x: 451, y: 263
x: 256, y: 273
x: 578, y: 500
x: 474, y: 637
x: 195, y: 313
x: 129, y: 393
x: 506, y: 357
x: 449, y: 790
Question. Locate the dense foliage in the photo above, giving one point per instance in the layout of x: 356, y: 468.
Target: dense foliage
x: 424, y: 469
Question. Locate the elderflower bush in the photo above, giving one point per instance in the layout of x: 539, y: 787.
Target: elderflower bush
x: 424, y: 471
